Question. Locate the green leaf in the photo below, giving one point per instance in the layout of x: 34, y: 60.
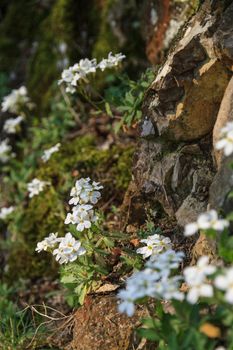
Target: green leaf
x: 81, y: 290
x: 108, y: 109
x: 148, y: 333
x: 68, y: 279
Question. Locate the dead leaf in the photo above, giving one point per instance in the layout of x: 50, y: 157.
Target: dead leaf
x: 131, y: 229
x: 135, y: 242
x: 108, y: 287
x: 210, y: 330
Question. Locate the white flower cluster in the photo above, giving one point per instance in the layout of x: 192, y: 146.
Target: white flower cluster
x: 154, y: 281
x: 5, y: 212
x: 84, y: 194
x: 206, y: 221
x: 67, y: 249
x: 225, y: 282
x: 5, y: 151
x: 15, y: 100
x: 196, y: 278
x: 197, y: 282
x: 226, y: 142
x: 48, y: 152
x: 35, y: 187
x: 11, y: 125
x: 48, y: 242
x: 111, y: 61
x: 155, y: 244
x: 79, y: 72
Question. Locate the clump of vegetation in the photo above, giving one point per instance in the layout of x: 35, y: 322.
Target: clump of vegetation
x: 16, y: 327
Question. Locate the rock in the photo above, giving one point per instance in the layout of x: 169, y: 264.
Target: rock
x: 99, y: 326
x: 181, y: 108
x: 174, y: 167
x: 132, y: 210
x: 225, y: 115
x: 161, y: 23
x: 221, y: 187
x: 223, y: 180
x: 204, y: 246
x: 223, y: 38
x: 175, y: 178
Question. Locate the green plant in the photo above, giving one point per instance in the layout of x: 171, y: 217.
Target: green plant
x: 130, y: 103
x: 16, y: 327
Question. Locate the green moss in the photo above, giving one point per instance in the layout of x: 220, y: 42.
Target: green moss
x: 67, y: 20
x: 83, y: 157
x: 106, y: 40
x: 42, y: 69
x: 18, y: 29
x: 45, y: 213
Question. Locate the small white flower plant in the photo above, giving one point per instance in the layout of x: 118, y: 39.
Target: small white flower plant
x: 83, y: 249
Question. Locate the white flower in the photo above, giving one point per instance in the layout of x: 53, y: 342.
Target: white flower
x: 225, y: 282
x: 48, y: 242
x: 226, y: 142
x: 79, y: 72
x: 148, y: 283
x: 168, y: 288
x: 140, y: 285
x: 165, y: 261
x: 201, y: 290
x: 11, y: 125
x: 154, y: 245
x: 5, y: 151
x: 48, y: 152
x: 35, y: 187
x: 15, y: 100
x: 84, y: 192
x: 87, y: 66
x: 126, y: 307
x: 208, y: 220
x: 4, y: 212
x: 82, y: 216
x: 68, y: 250
x: 195, y: 277
x: 111, y: 61
x: 90, y: 196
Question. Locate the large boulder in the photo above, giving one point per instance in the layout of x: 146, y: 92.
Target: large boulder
x: 174, y: 165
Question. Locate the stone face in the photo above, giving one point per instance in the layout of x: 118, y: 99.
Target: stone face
x: 99, y: 326
x: 223, y: 180
x: 175, y: 177
x: 188, y: 89
x: 225, y: 115
x: 223, y: 38
x: 161, y: 23
x: 174, y: 166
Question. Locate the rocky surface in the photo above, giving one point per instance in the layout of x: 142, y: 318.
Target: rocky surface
x: 98, y: 325
x: 174, y: 165
x: 161, y: 22
x: 223, y: 180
